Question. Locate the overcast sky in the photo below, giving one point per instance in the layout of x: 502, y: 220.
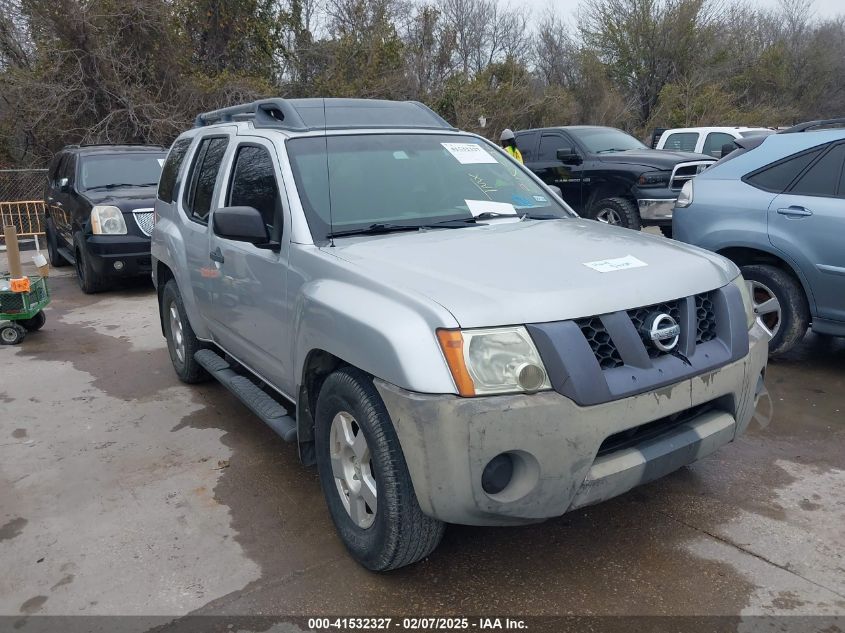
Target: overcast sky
x: 569, y: 8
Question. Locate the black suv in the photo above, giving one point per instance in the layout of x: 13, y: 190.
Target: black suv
x: 99, y: 210
x: 608, y: 175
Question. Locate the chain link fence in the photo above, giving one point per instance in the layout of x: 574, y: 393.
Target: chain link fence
x: 22, y: 200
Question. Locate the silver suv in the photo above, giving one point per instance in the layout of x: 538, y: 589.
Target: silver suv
x: 433, y: 326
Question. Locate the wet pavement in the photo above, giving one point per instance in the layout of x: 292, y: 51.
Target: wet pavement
x: 123, y: 491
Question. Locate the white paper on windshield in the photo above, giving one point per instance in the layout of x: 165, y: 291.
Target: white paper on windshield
x: 160, y: 162
x: 477, y: 207
x: 469, y: 153
x: 612, y: 265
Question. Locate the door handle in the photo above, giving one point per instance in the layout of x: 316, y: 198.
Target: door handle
x: 216, y: 255
x: 795, y: 212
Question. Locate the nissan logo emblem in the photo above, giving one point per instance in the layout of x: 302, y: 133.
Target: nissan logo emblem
x: 663, y: 331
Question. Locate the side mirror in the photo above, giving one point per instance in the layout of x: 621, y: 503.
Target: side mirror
x: 727, y: 148
x: 568, y: 156
x: 241, y: 224
x: 556, y: 190
x: 64, y: 185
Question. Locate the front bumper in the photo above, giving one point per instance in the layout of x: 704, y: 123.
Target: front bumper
x: 656, y: 209
x: 131, y: 251
x: 447, y: 441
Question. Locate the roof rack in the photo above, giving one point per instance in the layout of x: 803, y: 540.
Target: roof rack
x: 305, y: 115
x: 809, y: 125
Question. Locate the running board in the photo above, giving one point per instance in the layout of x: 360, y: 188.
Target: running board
x: 271, y: 412
x: 64, y: 252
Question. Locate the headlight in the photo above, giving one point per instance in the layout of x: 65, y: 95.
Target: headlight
x: 501, y: 360
x: 654, y: 179
x: 685, y: 197
x: 107, y: 220
x: 745, y: 291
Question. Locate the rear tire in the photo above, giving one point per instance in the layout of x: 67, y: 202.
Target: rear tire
x: 780, y: 304
x: 56, y: 259
x: 369, y: 469
x: 86, y: 276
x: 35, y: 323
x: 182, y: 343
x: 617, y: 211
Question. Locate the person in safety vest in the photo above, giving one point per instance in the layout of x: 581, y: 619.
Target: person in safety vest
x: 508, y: 141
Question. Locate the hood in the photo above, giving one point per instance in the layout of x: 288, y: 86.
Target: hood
x: 509, y: 273
x: 126, y: 199
x: 654, y: 158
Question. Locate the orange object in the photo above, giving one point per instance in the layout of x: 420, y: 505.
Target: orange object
x: 19, y: 285
x: 452, y: 344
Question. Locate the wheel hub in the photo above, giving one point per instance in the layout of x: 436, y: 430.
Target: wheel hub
x: 767, y: 308
x: 176, y: 332
x: 352, y: 469
x: 608, y: 216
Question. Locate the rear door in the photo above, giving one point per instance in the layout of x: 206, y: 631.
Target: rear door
x: 807, y: 222
x: 554, y: 172
x: 61, y: 202
x: 248, y: 296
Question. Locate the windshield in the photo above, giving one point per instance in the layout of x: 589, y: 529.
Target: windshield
x: 121, y: 170
x: 600, y: 140
x: 409, y: 179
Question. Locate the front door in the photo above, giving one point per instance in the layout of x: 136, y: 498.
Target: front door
x: 808, y: 221
x: 554, y: 172
x: 248, y: 298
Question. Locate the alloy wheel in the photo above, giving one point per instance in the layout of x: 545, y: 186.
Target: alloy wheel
x: 176, y: 332
x: 352, y: 468
x: 608, y: 215
x: 767, y: 308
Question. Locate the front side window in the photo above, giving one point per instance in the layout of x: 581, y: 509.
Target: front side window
x: 254, y: 185
x: 114, y: 171
x: 170, y: 171
x: 682, y: 142
x: 714, y: 142
x: 204, y: 177
x: 408, y: 179
x: 549, y: 145
x: 823, y: 177
x: 777, y: 177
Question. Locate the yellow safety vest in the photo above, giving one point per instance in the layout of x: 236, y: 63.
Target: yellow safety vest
x: 514, y: 151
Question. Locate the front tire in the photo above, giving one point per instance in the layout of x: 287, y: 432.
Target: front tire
x: 86, y: 276
x: 11, y: 334
x: 364, y: 477
x: 617, y: 211
x: 182, y: 343
x: 780, y: 305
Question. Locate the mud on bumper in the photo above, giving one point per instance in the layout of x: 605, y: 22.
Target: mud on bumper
x: 565, y: 456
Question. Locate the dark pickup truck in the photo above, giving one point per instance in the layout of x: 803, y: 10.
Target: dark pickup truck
x: 607, y: 175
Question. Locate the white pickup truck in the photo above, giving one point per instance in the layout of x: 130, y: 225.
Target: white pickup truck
x: 706, y: 140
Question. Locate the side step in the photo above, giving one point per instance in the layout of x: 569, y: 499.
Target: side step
x: 271, y: 412
x: 67, y: 254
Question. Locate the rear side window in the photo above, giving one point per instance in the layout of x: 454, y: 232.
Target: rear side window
x: 204, y: 176
x: 681, y: 141
x: 254, y: 185
x: 527, y: 144
x: 170, y: 171
x: 777, y: 177
x: 823, y: 177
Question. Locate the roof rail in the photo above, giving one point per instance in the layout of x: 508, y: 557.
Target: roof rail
x: 267, y: 112
x: 809, y: 125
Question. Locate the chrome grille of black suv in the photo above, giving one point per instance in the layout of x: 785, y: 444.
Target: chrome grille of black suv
x: 600, y: 342
x: 706, y: 318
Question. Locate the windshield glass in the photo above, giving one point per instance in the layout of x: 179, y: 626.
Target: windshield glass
x: 121, y: 170
x: 409, y: 179
x: 605, y: 139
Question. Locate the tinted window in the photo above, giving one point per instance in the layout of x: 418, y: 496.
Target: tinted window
x: 823, y: 177
x: 68, y: 168
x: 204, y: 176
x: 254, y: 185
x: 171, y: 169
x: 682, y: 141
x: 549, y: 145
x: 714, y: 141
x: 601, y: 140
x: 779, y: 176
x: 111, y: 171
x: 53, y: 172
x: 527, y: 144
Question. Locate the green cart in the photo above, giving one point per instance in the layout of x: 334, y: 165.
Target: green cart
x: 24, y: 310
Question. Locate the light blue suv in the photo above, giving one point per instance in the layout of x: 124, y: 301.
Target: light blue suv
x: 776, y: 207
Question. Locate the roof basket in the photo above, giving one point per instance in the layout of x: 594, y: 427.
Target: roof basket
x: 315, y: 114
x: 811, y: 125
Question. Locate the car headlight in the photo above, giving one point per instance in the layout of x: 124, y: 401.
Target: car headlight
x: 685, y: 197
x: 107, y: 220
x: 654, y: 179
x: 494, y: 361
x: 747, y: 302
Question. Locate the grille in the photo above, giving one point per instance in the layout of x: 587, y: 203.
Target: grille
x: 600, y: 342
x: 638, y: 317
x: 144, y: 219
x: 706, y: 318
x: 687, y: 171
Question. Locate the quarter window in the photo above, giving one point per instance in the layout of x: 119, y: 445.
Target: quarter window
x: 823, y: 177
x: 204, y: 176
x: 776, y: 178
x: 170, y: 171
x: 254, y: 185
x: 681, y: 141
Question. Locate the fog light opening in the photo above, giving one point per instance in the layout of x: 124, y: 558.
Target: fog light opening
x: 530, y: 377
x: 497, y: 474
x: 118, y: 265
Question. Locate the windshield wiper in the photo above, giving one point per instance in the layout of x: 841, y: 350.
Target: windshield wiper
x: 613, y: 149
x: 387, y: 227
x: 115, y: 185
